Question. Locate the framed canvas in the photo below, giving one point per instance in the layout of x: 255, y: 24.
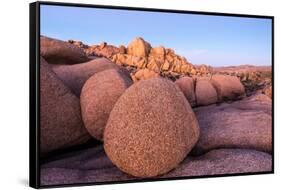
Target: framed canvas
x: 126, y: 94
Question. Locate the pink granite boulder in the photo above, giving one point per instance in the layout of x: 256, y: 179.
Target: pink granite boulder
x: 228, y: 87
x: 186, y: 84
x: 61, y: 124
x: 98, y: 96
x: 205, y: 93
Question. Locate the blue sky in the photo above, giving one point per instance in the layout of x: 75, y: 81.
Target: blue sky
x: 202, y: 39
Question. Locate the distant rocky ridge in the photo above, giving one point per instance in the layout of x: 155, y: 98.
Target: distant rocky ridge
x: 144, y: 61
x: 140, y: 55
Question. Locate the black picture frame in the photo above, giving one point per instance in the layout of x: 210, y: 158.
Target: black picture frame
x: 34, y: 92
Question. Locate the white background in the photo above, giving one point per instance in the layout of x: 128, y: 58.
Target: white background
x: 14, y: 94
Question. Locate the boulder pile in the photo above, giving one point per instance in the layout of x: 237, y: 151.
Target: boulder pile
x: 203, y: 91
x: 140, y: 55
x: 165, y: 62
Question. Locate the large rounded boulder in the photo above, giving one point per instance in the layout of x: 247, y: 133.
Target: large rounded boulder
x: 228, y: 87
x: 98, y: 96
x: 205, y: 93
x: 74, y: 76
x: 186, y: 84
x: 151, y: 128
x: 61, y: 124
x: 59, y: 52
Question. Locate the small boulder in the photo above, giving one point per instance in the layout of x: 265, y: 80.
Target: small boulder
x: 165, y: 66
x: 228, y: 87
x: 153, y: 64
x: 139, y: 47
x: 102, y: 50
x: 144, y: 74
x: 158, y: 52
x: 186, y: 84
x: 98, y: 96
x: 78, y: 44
x: 61, y: 124
x: 122, y: 49
x: 151, y: 129
x: 59, y: 52
x: 205, y: 92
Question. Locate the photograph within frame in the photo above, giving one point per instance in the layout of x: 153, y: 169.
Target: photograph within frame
x: 83, y: 93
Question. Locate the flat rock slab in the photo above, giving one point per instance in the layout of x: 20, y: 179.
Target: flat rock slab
x: 242, y: 124
x: 92, y: 165
x: 224, y: 161
x: 74, y: 76
x: 61, y: 52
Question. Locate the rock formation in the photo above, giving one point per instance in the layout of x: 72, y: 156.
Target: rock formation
x: 140, y: 55
x: 137, y: 100
x: 138, y: 47
x: 102, y: 50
